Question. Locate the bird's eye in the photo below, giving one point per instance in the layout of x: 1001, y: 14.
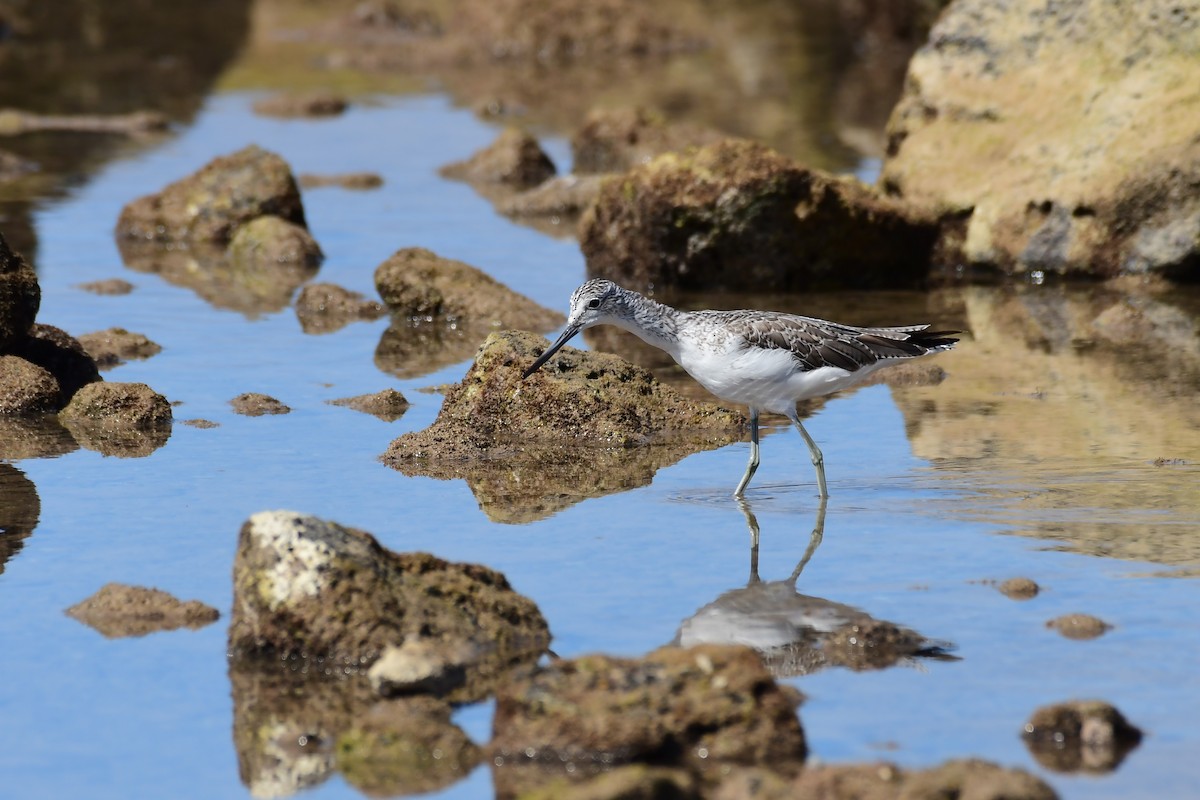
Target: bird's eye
x: 594, y: 302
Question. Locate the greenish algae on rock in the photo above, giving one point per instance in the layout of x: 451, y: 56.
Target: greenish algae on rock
x: 737, y: 215
x: 704, y: 709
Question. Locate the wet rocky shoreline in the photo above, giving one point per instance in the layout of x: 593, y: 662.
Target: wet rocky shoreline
x: 348, y: 657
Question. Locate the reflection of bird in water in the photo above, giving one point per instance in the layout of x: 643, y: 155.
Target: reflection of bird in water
x: 766, y: 360
x: 798, y: 634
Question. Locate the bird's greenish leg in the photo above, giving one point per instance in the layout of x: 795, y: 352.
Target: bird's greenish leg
x: 818, y: 460
x: 753, y: 465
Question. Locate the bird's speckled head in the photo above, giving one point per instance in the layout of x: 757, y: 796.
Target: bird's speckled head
x: 594, y: 303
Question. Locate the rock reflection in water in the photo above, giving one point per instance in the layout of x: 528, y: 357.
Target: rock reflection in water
x: 797, y: 634
x: 20, y: 509
x: 294, y: 731
x: 252, y: 290
x: 536, y: 481
x: 412, y: 349
x: 1059, y: 409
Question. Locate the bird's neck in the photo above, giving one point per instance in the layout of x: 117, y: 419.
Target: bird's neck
x: 654, y: 323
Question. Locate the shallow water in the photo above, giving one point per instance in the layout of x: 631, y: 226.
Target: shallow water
x: 1030, y: 459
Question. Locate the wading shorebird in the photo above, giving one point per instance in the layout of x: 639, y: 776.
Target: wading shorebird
x: 765, y: 360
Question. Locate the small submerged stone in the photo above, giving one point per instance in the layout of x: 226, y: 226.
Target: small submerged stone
x: 1019, y: 588
x: 119, y: 610
x: 109, y: 286
x: 256, y: 404
x: 389, y: 405
x: 115, y: 346
x: 346, y: 180
x: 1079, y: 626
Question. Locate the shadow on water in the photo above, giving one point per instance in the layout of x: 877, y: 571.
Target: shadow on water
x: 799, y: 634
x: 1071, y: 416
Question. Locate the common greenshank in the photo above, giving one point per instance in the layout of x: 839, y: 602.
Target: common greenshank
x: 765, y: 360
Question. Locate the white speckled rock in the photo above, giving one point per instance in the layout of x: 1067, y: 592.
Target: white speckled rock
x: 307, y: 589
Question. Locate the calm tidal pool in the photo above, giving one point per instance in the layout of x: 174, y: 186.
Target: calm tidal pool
x: 1023, y: 462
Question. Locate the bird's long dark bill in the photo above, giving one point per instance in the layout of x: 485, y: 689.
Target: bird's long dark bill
x: 551, y: 350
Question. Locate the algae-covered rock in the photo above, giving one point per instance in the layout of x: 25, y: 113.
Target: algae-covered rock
x: 965, y: 779
x: 310, y: 589
x: 421, y: 287
x: 581, y: 398
x: 517, y: 442
x: 1067, y: 134
x: 257, y: 404
x: 704, y: 708
x: 628, y: 782
x: 133, y: 405
x: 118, y: 610
x: 128, y: 420
x: 60, y: 354
x: 738, y: 215
x: 1083, y: 735
x: 972, y: 777
x: 26, y: 388
x: 515, y: 159
x: 20, y: 296
x: 211, y: 204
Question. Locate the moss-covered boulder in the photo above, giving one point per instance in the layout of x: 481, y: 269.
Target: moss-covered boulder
x: 739, y: 216
x: 517, y: 442
x: 60, y: 354
x: 309, y: 589
x: 26, y: 388
x: 211, y: 204
x: 705, y: 709
x: 129, y: 420
x: 421, y: 287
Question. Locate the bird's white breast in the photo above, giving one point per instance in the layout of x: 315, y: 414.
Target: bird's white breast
x: 770, y: 379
